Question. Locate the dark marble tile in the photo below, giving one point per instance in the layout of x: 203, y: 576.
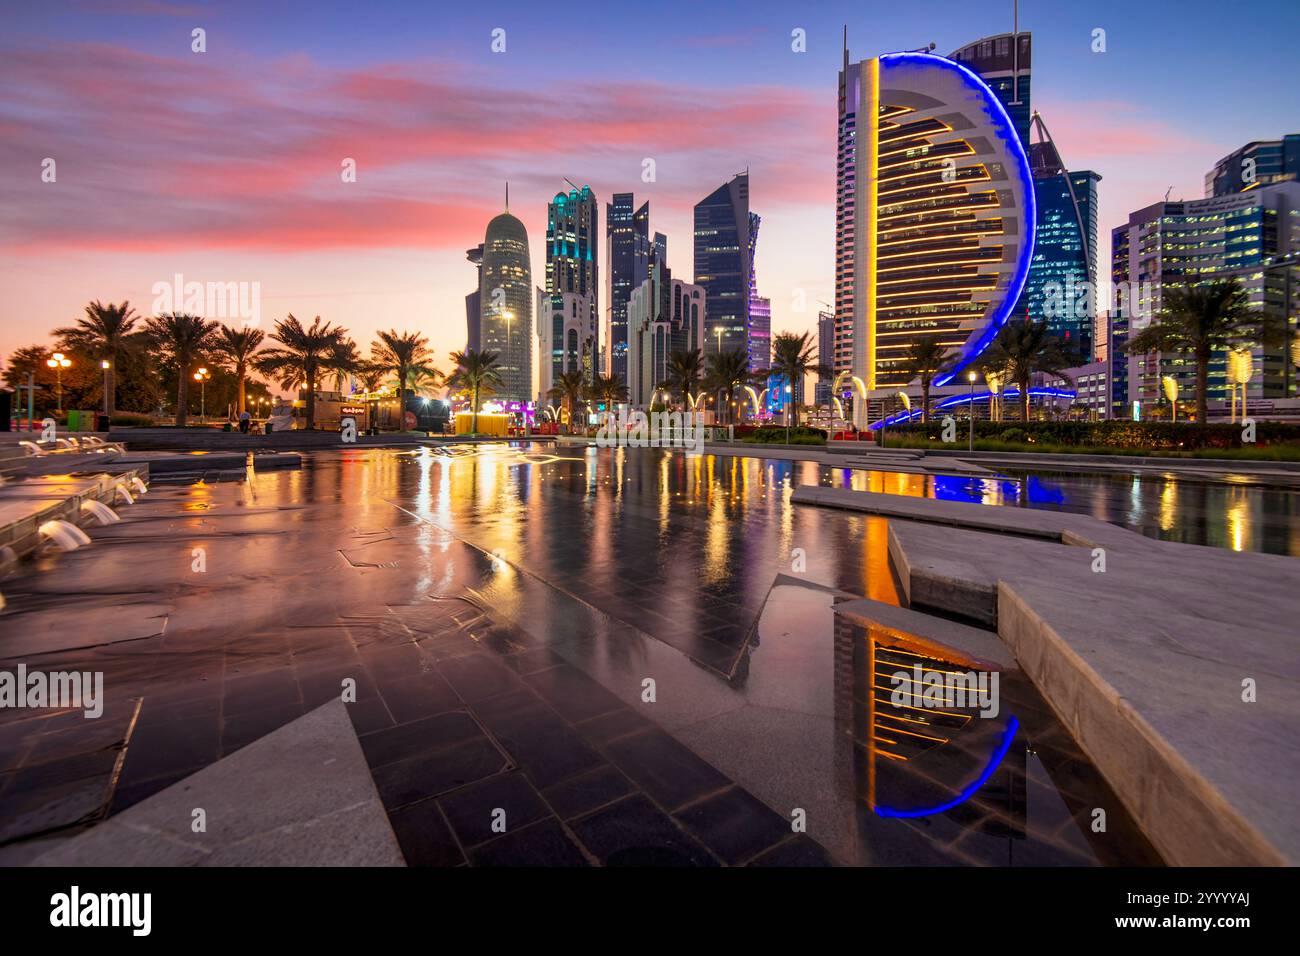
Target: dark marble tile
x: 734, y: 824
x: 319, y: 685
x: 126, y: 796
x: 263, y: 691
x: 800, y: 851
x: 542, y: 844
x: 665, y: 769
x: 478, y: 676
x: 369, y: 715
x: 424, y: 837
x: 633, y: 832
x: 573, y: 694
x: 419, y: 736
x: 531, y: 661
x: 438, y: 772
x: 542, y: 744
x: 161, y: 747
x: 242, y: 729
x: 585, y: 792
x: 471, y: 809
x: 612, y: 725
x: 422, y: 696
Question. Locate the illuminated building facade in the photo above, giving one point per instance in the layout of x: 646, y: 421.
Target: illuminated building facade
x: 567, y: 336
x: 1252, y: 236
x: 506, y: 305
x: 572, y: 254
x: 726, y: 233
x: 942, y: 207
x: 628, y: 250
x: 1256, y: 164
x: 665, y: 315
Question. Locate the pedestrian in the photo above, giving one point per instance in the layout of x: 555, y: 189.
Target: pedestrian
x: 245, y: 420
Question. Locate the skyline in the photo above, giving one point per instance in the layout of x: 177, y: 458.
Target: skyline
x: 437, y: 124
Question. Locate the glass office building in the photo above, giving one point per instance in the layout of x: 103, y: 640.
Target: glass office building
x: 724, y: 264
x: 572, y: 247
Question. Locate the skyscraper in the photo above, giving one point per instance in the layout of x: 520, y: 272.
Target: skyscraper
x: 1002, y: 62
x: 506, y: 305
x: 1256, y: 164
x: 572, y: 254
x: 1062, y: 284
x: 724, y: 263
x: 665, y: 315
x: 825, y: 351
x: 935, y: 214
x: 627, y: 238
x: 759, y: 339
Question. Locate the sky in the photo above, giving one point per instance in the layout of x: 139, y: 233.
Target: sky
x: 225, y: 165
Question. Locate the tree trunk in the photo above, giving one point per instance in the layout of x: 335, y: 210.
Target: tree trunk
x: 110, y: 389
x: 1202, y: 386
x: 240, y: 373
x: 311, y: 400
x: 925, y: 402
x: 182, y: 391
x: 473, y: 427
x: 1024, y: 400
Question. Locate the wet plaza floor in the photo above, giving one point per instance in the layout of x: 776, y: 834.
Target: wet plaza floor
x: 633, y: 653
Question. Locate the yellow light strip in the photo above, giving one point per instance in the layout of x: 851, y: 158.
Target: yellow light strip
x: 873, y: 197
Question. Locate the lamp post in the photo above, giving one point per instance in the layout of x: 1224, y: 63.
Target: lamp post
x: 106, y: 365
x: 788, y: 392
x: 202, y: 376
x: 970, y: 407
x: 59, y: 363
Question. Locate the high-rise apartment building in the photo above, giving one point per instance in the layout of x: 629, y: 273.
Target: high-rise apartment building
x: 935, y: 215
x: 1261, y: 163
x: 665, y: 315
x: 572, y: 260
x: 628, y: 254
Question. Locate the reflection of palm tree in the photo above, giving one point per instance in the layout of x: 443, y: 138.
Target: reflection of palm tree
x: 926, y: 359
x: 477, y: 373
x: 1022, y: 348
x: 237, y: 346
x: 569, y: 386
x: 306, y: 355
x: 106, y: 333
x: 794, y: 358
x: 182, y: 338
x: 1201, y: 320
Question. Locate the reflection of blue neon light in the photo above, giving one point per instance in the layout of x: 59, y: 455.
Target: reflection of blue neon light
x: 1012, y: 726
x: 1006, y: 130
x: 956, y: 400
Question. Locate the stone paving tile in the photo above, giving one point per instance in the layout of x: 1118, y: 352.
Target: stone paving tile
x: 610, y: 726
x: 634, y: 832
x: 160, y: 746
x: 419, y: 736
x: 437, y: 772
x: 800, y: 851
x: 734, y: 824
x: 242, y: 729
x: 669, y: 772
x: 544, y: 844
x: 573, y: 694
x: 424, y: 836
x: 478, y: 676
x: 423, y: 695
x: 473, y: 809
x: 542, y: 744
x: 587, y: 791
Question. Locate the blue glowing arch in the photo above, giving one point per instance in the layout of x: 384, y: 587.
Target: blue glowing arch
x: 994, y: 762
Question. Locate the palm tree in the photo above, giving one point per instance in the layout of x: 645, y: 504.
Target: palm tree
x: 422, y: 381
x: 236, y: 347
x: 106, y: 333
x: 306, y: 356
x: 569, y: 387
x: 793, y: 357
x: 1200, y: 320
x: 926, y: 359
x: 727, y: 372
x: 476, y: 373
x: 403, y: 353
x: 182, y: 338
x: 608, y: 390
x: 370, y: 374
x: 684, y: 368
x: 1022, y: 348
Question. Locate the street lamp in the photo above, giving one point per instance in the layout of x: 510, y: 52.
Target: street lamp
x: 106, y: 365
x: 59, y: 363
x: 970, y: 406
x: 202, y: 376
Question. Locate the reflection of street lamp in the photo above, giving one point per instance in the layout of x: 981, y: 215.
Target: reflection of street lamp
x: 970, y: 377
x: 105, y: 365
x: 59, y: 363
x: 202, y: 376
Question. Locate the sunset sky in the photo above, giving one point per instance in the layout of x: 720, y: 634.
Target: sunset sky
x: 224, y: 166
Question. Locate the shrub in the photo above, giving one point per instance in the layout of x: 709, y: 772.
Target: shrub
x: 132, y: 419
x: 776, y: 435
x: 1118, y: 434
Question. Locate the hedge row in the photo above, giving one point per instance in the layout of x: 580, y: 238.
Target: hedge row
x: 1116, y: 433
